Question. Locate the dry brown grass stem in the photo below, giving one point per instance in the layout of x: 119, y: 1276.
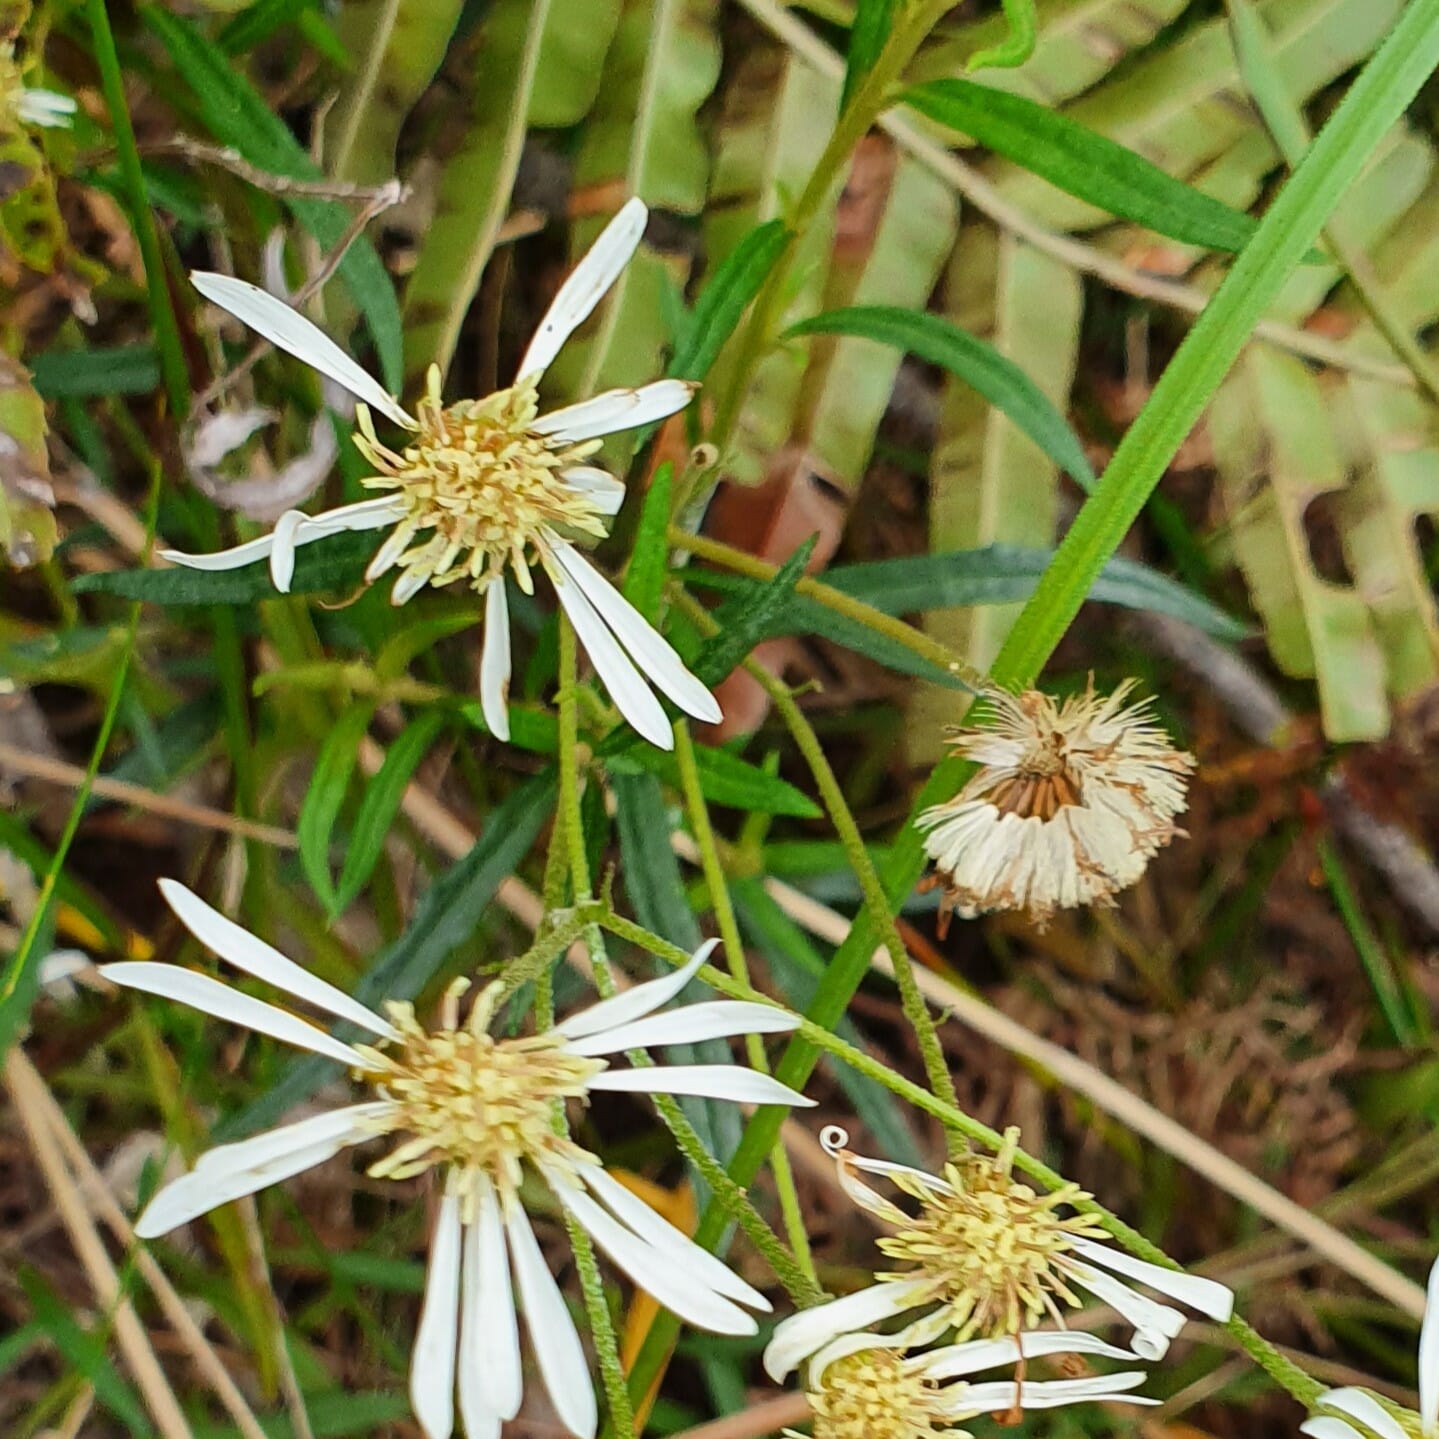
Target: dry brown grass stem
x: 759, y: 1419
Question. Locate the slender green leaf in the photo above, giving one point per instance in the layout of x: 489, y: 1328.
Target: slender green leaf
x: 117, y: 370
x: 1082, y: 162
x: 644, y: 584
x: 873, y: 20
x: 725, y: 779
x: 380, y: 805
x: 325, y: 797
x: 744, y: 623
x: 941, y: 342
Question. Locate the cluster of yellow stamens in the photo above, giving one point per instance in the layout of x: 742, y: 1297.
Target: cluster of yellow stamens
x: 478, y: 1105
x: 989, y: 1243
x: 876, y: 1395
x: 479, y: 486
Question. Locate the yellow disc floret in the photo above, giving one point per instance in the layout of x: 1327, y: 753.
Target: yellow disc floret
x: 481, y: 489
x: 875, y: 1395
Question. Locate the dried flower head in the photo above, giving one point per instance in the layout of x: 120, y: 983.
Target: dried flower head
x: 486, y: 487
x: 988, y: 1258
x: 1071, y: 801
x: 487, y: 1114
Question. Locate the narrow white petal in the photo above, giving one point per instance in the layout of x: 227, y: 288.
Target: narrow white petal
x: 614, y: 411
x: 409, y: 584
x: 999, y: 1396
x: 495, y: 1353
x: 1326, y: 1426
x: 1205, y: 1295
x: 282, y: 553
x: 479, y: 1405
x: 495, y: 661
x: 606, y: 492
x: 956, y: 1359
x: 291, y: 331
x: 209, y: 996
x: 1155, y: 1325
x: 803, y: 1334
x: 235, y: 558
x: 650, y: 650
x: 719, y: 1019
x: 662, y: 1235
x: 362, y: 515
x: 632, y: 695
x: 553, y: 1337
x: 683, y: 1293
x: 45, y: 109
x: 638, y: 1001
x: 1366, y: 1409
x: 584, y: 288
x: 432, y: 1366
x: 1429, y: 1357
x: 890, y: 1169
x: 234, y: 1170
x: 710, y: 1081
x: 246, y: 952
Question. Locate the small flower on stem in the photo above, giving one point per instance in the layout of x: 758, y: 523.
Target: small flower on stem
x: 43, y: 109
x: 484, y: 1113
x: 1072, y: 800
x: 485, y: 488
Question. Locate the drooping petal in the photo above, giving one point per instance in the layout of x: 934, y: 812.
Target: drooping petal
x: 553, y: 1337
x: 585, y: 286
x: 242, y: 949
x: 292, y: 332
x: 409, y: 584
x: 631, y: 693
x: 233, y: 1171
x: 604, y: 490
x: 719, y: 1019
x: 1326, y: 1426
x: 1366, y: 1409
x: 495, y: 661
x: 209, y: 996
x: 999, y: 1397
x: 1155, y: 1325
x: 614, y: 412
x: 282, y: 553
x: 432, y: 1366
x: 650, y: 650
x: 1206, y: 1295
x: 235, y: 558
x: 494, y: 1354
x: 679, y: 1291
x: 978, y: 1354
x: 1429, y: 1357
x: 663, y: 1236
x: 636, y: 1002
x: 710, y: 1081
x: 805, y: 1333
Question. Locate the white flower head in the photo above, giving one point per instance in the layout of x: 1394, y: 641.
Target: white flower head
x: 862, y: 1387
x: 1072, y: 800
x: 1375, y: 1417
x: 488, y: 487
x: 988, y: 1258
x: 43, y: 109
x: 483, y: 1112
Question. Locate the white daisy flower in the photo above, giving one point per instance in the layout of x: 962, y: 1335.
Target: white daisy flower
x: 988, y: 1258
x: 488, y: 486
x: 1072, y: 800
x: 483, y: 1111
x: 862, y: 1387
x: 44, y: 109
x: 1377, y: 1420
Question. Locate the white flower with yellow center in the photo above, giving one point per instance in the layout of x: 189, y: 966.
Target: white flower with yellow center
x: 485, y: 1112
x: 861, y: 1387
x: 485, y: 487
x: 988, y: 1258
x: 1378, y: 1421
x: 44, y: 109
x: 1072, y: 800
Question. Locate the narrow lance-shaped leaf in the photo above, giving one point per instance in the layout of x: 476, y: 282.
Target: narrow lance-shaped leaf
x: 325, y: 796
x: 940, y: 342
x: 873, y: 21
x: 1082, y: 162
x: 744, y: 623
x: 649, y: 558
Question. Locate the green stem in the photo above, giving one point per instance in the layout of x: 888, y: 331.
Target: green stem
x: 132, y: 177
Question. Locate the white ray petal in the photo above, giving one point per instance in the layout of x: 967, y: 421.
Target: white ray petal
x: 494, y: 1354
x: 679, y: 1291
x: 892, y: 1170
x: 235, y: 558
x: 978, y: 1354
x: 282, y: 553
x: 606, y: 492
x: 650, y: 650
x: 558, y: 1351
x: 1429, y: 1357
x: 999, y: 1396
x: 638, y: 1001
x: 45, y: 109
x: 232, y: 1171
x: 807, y: 1332
x: 710, y: 1081
x: 432, y: 1365
x: 1155, y: 1325
x: 631, y: 693
x: 409, y: 584
x: 1326, y: 1426
x: 372, y: 514
x: 291, y: 331
x: 719, y: 1019
x: 1366, y: 1409
x: 495, y: 661
x: 1206, y: 1295
x: 246, y: 952
x: 585, y: 287
x: 209, y: 996
x: 614, y: 411
x: 479, y: 1407
x: 662, y: 1235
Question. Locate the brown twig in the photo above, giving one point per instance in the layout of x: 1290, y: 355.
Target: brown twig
x: 757, y: 1420
x: 225, y: 158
